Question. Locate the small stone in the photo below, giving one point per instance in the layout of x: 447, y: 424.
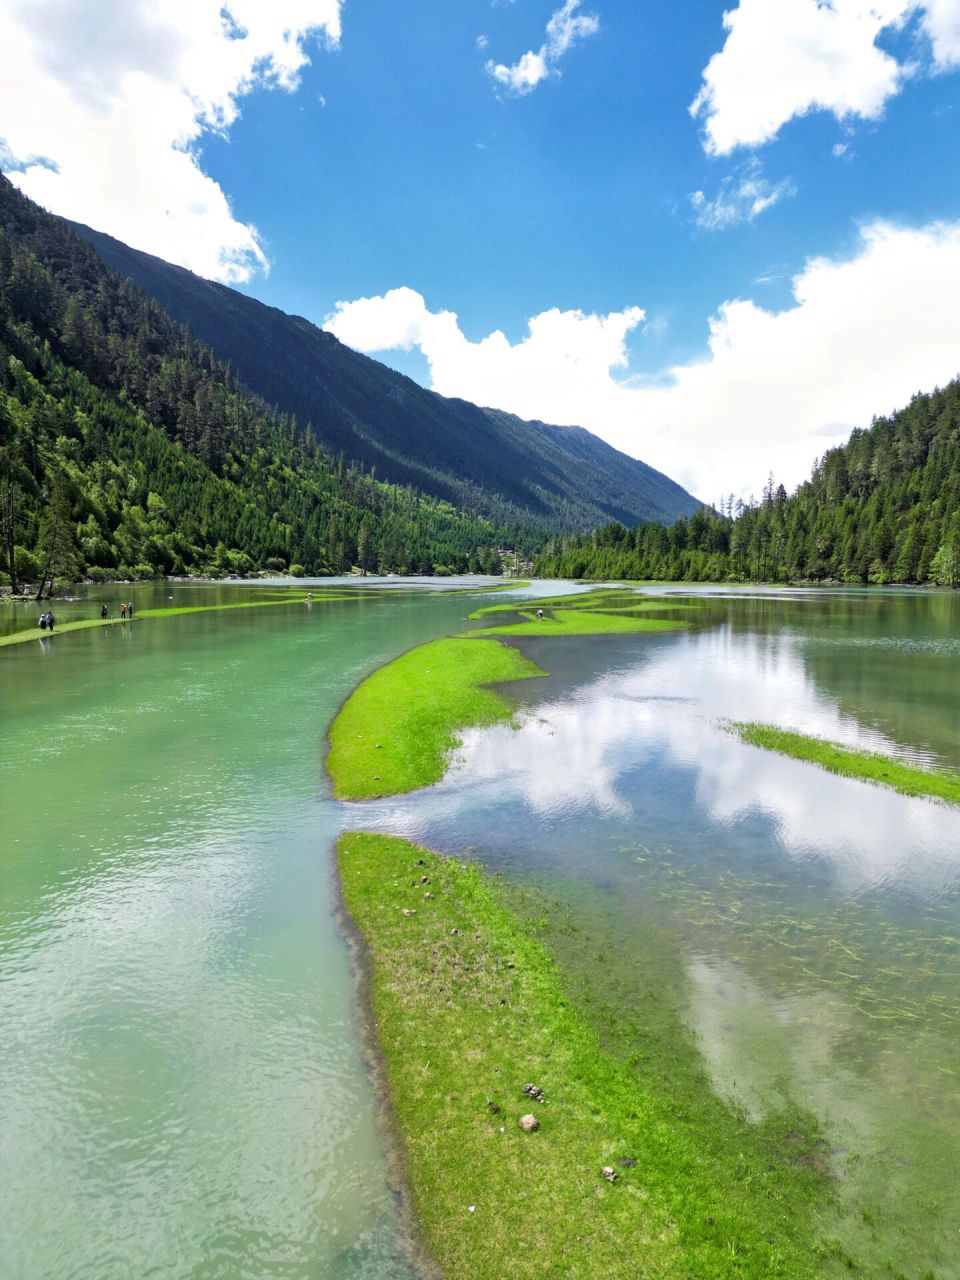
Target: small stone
x: 493, y: 1108
x: 471, y: 1208
x: 529, y: 1124
x: 421, y: 863
x: 533, y: 1091
x: 424, y: 879
x: 454, y: 933
x: 628, y: 1163
x: 609, y: 1173
x: 428, y: 895
x: 409, y: 911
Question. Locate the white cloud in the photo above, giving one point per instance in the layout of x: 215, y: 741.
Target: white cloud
x: 941, y: 21
x: 118, y: 95
x: 566, y: 26
x: 742, y: 197
x: 774, y: 389
x: 482, y: 42
x: 784, y: 60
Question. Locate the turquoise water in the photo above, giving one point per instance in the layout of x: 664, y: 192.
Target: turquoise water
x: 182, y: 1085
x: 183, y: 1090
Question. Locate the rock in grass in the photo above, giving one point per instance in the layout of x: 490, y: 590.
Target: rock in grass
x: 529, y: 1124
x: 609, y: 1173
x: 533, y: 1091
x: 409, y: 911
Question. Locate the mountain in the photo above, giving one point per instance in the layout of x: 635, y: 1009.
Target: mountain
x: 883, y: 508
x: 127, y: 449
x: 488, y: 461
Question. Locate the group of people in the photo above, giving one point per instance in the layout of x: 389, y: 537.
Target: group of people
x: 48, y: 621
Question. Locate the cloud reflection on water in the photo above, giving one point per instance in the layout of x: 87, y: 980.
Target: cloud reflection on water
x: 585, y: 752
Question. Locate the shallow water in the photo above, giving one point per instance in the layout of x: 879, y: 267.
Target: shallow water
x: 805, y: 928
x: 182, y: 1089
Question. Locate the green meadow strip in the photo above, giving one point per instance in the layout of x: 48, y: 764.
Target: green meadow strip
x: 570, y: 622
x: 864, y: 765
x: 396, y: 730
x: 24, y: 637
x: 473, y: 1020
x: 499, y: 586
x: 84, y: 624
x: 583, y: 600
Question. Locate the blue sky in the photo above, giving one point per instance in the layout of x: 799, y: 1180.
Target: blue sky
x: 423, y: 174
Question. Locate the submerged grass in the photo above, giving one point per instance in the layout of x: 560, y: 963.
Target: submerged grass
x: 604, y: 599
x: 396, y: 730
x: 865, y: 765
x: 564, y: 622
x: 469, y: 1008
x: 34, y: 633
x: 172, y: 611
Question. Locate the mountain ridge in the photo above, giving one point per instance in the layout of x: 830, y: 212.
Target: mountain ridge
x: 488, y: 460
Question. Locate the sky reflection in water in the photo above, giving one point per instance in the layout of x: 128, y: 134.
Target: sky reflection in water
x: 815, y: 915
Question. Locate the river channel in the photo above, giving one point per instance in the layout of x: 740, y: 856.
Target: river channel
x: 182, y: 1084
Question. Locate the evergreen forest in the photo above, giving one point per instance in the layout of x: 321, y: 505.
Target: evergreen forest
x: 883, y: 508
x: 127, y: 450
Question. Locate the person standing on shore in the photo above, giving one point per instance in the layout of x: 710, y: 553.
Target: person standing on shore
x: 123, y: 611
x: 50, y: 622
x: 130, y: 609
x: 103, y: 613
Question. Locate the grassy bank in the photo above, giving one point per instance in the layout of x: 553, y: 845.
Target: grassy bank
x: 34, y: 633
x: 608, y: 611
x: 865, y: 765
x: 607, y: 599
x: 396, y: 730
x: 469, y: 1008
x: 578, y: 622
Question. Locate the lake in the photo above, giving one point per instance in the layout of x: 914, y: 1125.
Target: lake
x: 183, y: 1089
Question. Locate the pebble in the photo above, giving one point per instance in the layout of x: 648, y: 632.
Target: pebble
x: 529, y: 1124
x: 409, y: 911
x: 610, y: 1174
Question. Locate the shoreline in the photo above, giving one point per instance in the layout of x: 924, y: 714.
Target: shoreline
x: 426, y: 1167
x: 416, y: 1252
x: 475, y: 1023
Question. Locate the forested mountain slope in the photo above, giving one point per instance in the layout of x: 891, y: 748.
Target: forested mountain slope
x: 884, y: 507
x: 127, y: 449
x: 491, y: 462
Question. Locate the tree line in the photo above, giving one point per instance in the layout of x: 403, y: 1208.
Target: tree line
x: 127, y: 450
x: 883, y: 508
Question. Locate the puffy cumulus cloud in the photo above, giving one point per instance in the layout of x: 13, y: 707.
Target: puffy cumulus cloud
x: 941, y: 21
x: 555, y: 372
x: 742, y: 197
x: 566, y: 26
x: 773, y: 390
x: 103, y: 105
x: 787, y: 59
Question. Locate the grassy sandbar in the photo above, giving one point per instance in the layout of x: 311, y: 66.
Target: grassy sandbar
x: 469, y: 1008
x: 578, y: 622
x: 865, y: 765
x: 396, y: 730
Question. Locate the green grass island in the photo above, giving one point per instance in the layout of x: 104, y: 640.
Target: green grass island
x: 530, y: 1147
